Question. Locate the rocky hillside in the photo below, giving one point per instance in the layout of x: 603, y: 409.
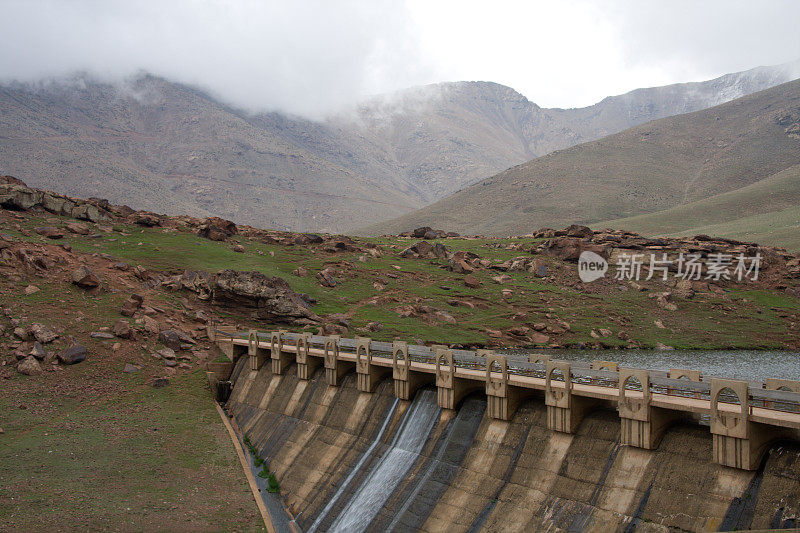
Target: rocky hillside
x: 648, y: 168
x: 521, y: 291
x: 171, y: 148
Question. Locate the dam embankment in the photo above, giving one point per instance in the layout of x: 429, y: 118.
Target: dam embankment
x: 356, y: 461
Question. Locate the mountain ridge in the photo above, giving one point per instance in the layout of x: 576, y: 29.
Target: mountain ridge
x: 175, y: 148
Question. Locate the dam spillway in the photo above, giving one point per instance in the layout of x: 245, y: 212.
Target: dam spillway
x: 474, y: 472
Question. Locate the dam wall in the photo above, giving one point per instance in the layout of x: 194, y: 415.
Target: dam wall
x: 357, y: 461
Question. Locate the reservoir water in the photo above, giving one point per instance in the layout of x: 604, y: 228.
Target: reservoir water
x: 752, y: 365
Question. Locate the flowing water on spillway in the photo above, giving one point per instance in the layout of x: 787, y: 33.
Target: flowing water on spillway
x: 392, y: 467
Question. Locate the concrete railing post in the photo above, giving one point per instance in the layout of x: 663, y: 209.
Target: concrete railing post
x: 258, y: 355
x: 641, y: 424
x: 445, y: 378
x: 497, y: 391
x: 280, y: 359
x: 306, y: 364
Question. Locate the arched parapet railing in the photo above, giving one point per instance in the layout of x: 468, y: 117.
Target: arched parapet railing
x: 734, y: 443
x: 306, y: 364
x: 730, y: 410
x: 564, y: 410
x: 369, y: 374
x: 599, y: 364
x: 496, y: 373
x: 788, y: 385
x: 280, y: 360
x: 450, y: 389
x: 400, y: 360
x: 445, y: 367
x: 561, y: 395
x: 682, y: 373
x: 258, y: 355
x: 503, y: 399
x: 335, y: 368
x: 406, y: 381
x: 634, y: 394
x: 641, y: 424
x: 538, y: 358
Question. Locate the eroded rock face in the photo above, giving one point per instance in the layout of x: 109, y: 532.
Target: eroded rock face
x: 269, y: 298
x: 216, y: 229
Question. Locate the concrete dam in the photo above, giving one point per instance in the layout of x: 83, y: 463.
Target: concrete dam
x: 358, y: 456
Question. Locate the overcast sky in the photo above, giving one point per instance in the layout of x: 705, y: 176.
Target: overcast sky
x: 316, y: 56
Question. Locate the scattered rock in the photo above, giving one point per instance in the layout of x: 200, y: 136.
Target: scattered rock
x: 38, y: 351
x: 85, y: 278
x: 170, y: 338
x: 131, y: 305
x: 166, y: 353
x: 325, y: 278
x: 684, y: 288
x: 239, y: 249
x: 159, y: 383
x: 122, y: 329
x: 42, y: 333
x: 77, y: 228
x: 31, y: 289
x: 145, y: 218
x: 129, y: 368
x: 300, y: 271
x: 373, y: 326
x: 502, y: 278
x: 378, y: 286
x: 72, y: 355
x: 471, y: 281
x: 150, y: 325
x: 659, y: 324
x: 660, y: 346
x: 29, y: 366
x: 101, y: 335
x: 539, y: 338
x: 50, y: 232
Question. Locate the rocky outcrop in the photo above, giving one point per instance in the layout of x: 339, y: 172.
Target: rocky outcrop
x: 22, y: 198
x: 216, y: 229
x: 268, y: 298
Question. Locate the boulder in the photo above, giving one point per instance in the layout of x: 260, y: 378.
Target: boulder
x: 217, y: 229
x: 29, y: 366
x: 85, y: 278
x: 418, y: 250
x: 50, y: 232
x: 268, y: 298
x: 122, y: 329
x: 144, y: 218
x: 171, y: 339
x: 42, y: 333
x: 72, y: 355
x: 325, y: 278
x: 129, y: 368
x: 373, y: 326
x: 31, y: 289
x: 471, y: 281
x: 199, y: 282
x: 576, y: 230
x: 419, y: 233
x: 300, y: 271
x: 131, y: 304
x: 77, y: 228
x: 239, y: 249
x: 570, y: 248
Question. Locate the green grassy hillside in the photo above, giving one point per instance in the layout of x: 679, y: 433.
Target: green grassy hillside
x: 766, y: 212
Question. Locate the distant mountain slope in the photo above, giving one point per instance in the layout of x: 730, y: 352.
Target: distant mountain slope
x: 767, y: 211
x: 171, y: 148
x: 648, y: 168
